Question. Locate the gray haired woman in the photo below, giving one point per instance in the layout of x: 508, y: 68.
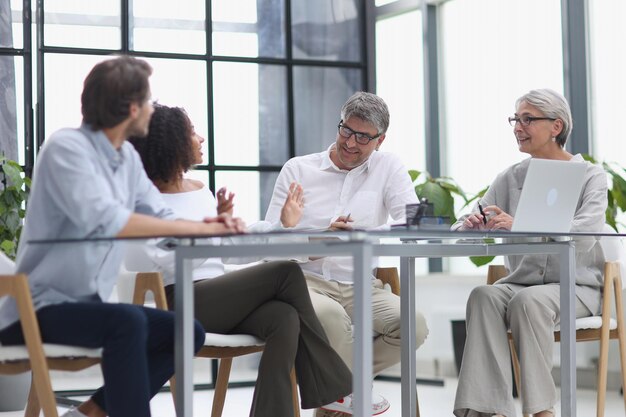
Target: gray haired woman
x: 526, y: 301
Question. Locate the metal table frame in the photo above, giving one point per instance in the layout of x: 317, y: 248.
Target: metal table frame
x: 357, y: 246
x: 408, y: 253
x: 362, y: 249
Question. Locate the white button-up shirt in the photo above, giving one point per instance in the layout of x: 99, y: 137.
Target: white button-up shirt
x: 370, y: 193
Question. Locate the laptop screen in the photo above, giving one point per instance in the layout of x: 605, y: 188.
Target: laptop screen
x: 549, y: 196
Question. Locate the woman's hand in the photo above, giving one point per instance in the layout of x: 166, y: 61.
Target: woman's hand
x: 291, y: 212
x: 225, y: 204
x: 224, y: 223
x: 499, y: 219
x: 473, y: 222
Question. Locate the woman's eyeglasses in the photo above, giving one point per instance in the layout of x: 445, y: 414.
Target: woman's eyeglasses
x: 526, y: 120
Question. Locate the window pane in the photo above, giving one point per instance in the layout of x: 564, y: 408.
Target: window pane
x: 247, y: 189
x: 399, y: 81
x: 12, y: 108
x: 319, y: 94
x: 166, y: 26
x: 11, y: 24
x: 64, y: 78
x: 82, y: 24
x: 198, y: 174
x: 488, y: 53
x: 249, y: 28
x: 182, y: 83
x: 326, y: 29
x: 379, y: 3
x: 608, y: 66
x: 250, y: 113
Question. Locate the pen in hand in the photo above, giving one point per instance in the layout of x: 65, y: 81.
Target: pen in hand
x: 482, y: 213
x: 347, y: 218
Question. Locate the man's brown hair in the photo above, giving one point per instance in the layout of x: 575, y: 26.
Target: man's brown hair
x: 111, y: 87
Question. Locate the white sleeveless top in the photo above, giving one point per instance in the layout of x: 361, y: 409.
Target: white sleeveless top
x: 142, y: 256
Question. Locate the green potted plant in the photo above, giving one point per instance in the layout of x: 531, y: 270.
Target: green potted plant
x: 439, y: 191
x: 14, y: 187
x: 617, y: 191
x: 13, y: 194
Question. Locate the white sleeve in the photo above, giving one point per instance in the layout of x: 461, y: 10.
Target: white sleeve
x: 399, y: 190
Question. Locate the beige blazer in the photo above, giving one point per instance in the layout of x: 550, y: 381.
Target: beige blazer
x: 505, y: 191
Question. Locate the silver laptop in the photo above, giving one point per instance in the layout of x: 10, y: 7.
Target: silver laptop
x: 549, y: 196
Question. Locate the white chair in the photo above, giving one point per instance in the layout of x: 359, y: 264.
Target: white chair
x: 600, y: 328
x: 35, y: 356
x: 224, y: 347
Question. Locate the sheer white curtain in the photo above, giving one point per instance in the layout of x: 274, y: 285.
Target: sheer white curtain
x: 8, y: 105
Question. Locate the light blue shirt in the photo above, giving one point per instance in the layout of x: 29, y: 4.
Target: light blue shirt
x: 82, y: 188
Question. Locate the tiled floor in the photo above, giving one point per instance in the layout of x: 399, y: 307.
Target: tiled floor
x: 434, y: 402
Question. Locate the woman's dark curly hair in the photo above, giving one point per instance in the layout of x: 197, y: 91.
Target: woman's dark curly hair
x: 167, y: 150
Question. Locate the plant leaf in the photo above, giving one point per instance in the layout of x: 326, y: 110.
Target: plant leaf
x: 13, y: 173
x: 413, y: 173
x: 589, y: 158
x: 478, y: 195
x: 440, y: 198
x: 12, y: 202
x: 481, y: 260
x: 8, y: 247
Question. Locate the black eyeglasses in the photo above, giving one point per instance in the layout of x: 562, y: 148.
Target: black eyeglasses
x: 359, y: 137
x: 527, y: 120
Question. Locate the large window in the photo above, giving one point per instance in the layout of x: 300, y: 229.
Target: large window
x: 493, y: 51
x: 608, y: 80
x: 14, y: 98
x: 263, y: 80
x: 399, y: 81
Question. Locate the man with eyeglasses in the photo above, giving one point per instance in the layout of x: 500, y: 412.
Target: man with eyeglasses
x: 351, y: 185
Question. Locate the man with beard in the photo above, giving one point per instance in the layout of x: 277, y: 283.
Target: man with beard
x: 89, y: 183
x: 351, y: 185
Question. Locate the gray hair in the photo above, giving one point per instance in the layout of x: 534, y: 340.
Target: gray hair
x: 551, y: 104
x: 369, y: 108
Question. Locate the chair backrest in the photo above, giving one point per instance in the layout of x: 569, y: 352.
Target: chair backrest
x: 614, y: 251
x: 136, y: 258
x: 7, y: 266
x: 389, y: 277
x: 125, y: 285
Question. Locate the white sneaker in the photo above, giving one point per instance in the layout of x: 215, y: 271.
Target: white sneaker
x: 344, y: 405
x: 73, y: 412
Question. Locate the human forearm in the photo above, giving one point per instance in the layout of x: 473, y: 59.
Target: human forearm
x: 140, y: 225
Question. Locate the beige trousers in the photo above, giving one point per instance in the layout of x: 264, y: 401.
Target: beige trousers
x: 485, y: 378
x: 334, y: 304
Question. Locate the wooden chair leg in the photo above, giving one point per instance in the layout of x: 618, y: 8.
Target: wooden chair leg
x: 622, y: 354
x: 516, y: 370
x: 33, y: 408
x: 44, y: 394
x: 173, y: 389
x: 417, y: 404
x: 221, y: 385
x: 602, y: 372
x: 604, y: 353
x: 621, y: 330
x: 294, y: 393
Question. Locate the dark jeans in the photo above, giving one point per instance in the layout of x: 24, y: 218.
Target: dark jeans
x: 137, y: 342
